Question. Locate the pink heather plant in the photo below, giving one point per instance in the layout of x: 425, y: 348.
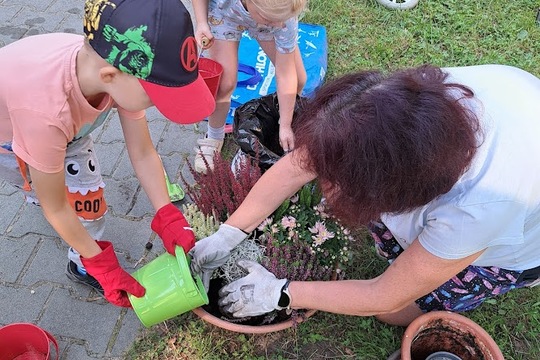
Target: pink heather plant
x: 219, y: 192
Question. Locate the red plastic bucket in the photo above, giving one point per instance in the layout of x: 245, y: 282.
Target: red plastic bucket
x: 210, y: 71
x: 23, y: 341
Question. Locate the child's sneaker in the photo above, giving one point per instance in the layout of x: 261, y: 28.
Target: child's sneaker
x: 206, y: 150
x: 74, y: 275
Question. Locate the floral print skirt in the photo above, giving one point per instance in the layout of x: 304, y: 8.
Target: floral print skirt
x: 465, y: 291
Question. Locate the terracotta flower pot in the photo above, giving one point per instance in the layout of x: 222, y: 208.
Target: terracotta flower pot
x: 249, y: 329
x: 437, y: 332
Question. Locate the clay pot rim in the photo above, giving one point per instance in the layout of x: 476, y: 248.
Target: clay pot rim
x: 255, y: 329
x: 249, y: 329
x: 420, y: 322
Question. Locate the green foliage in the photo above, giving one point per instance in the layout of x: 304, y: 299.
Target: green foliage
x: 365, y: 35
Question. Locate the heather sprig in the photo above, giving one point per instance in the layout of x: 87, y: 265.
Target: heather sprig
x: 201, y: 224
x: 220, y: 191
x: 293, y: 260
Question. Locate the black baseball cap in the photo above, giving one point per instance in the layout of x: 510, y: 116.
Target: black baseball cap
x: 152, y: 40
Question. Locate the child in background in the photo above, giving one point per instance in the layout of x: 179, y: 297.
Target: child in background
x: 274, y: 23
x: 57, y: 88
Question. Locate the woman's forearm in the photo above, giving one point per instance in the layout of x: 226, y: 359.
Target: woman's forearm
x: 277, y: 184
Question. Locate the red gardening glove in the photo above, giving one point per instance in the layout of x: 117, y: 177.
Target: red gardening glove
x: 116, y: 282
x: 173, y: 228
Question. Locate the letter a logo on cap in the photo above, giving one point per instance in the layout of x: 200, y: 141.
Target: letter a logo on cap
x: 188, y: 54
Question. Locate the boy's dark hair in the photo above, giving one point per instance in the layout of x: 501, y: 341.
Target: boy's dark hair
x: 387, y: 144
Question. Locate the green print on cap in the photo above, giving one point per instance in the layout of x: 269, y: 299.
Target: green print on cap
x: 130, y: 52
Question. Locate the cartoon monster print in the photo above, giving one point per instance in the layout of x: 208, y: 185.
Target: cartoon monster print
x: 130, y: 51
x: 84, y: 183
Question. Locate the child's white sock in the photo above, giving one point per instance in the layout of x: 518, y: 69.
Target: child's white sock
x: 216, y: 133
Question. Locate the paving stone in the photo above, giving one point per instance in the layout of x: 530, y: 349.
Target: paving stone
x: 130, y: 329
x: 108, y: 155
x: 6, y: 188
x: 77, y: 351
x: 37, y: 5
x: 8, y: 12
x: 23, y: 304
x: 11, y: 204
x: 129, y: 240
x: 179, y: 138
x: 31, y: 214
x: 72, y: 23
x: 124, y: 169
x: 14, y: 253
x: 36, y: 22
x: 89, y: 321
x: 11, y: 33
x: 112, y: 130
x: 120, y: 194
x: 156, y: 127
x: 67, y: 7
x: 49, y: 263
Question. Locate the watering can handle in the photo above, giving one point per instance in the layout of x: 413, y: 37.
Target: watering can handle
x: 250, y: 70
x: 53, y: 340
x: 184, y: 268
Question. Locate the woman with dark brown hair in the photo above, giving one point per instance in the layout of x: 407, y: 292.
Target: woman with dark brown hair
x: 438, y: 163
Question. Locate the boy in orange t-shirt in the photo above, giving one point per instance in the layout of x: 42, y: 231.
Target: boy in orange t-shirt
x: 57, y: 88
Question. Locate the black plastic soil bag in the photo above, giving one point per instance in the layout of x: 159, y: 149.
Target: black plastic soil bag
x: 256, y: 129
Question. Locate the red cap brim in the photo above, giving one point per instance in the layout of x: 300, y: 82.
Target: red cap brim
x: 185, y: 104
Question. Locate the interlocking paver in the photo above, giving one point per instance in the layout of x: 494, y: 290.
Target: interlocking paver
x: 33, y: 285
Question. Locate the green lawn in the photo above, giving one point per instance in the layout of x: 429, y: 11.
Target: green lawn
x: 363, y: 34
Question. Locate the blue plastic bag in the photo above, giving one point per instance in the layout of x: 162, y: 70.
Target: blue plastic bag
x: 256, y: 73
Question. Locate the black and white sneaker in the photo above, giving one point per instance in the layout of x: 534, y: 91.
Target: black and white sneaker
x: 74, y: 275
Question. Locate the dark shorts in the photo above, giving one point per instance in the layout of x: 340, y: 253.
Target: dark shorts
x: 465, y: 291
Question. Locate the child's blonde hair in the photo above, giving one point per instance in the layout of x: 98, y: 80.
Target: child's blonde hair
x: 279, y: 10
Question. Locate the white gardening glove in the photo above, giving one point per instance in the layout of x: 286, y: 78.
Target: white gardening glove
x: 255, y: 294
x: 213, y: 251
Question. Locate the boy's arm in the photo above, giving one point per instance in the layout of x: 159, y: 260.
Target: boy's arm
x: 145, y: 160
x: 99, y: 259
x: 51, y: 192
x: 169, y: 223
x: 287, y: 85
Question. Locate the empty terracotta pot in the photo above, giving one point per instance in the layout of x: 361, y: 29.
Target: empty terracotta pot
x: 439, y: 332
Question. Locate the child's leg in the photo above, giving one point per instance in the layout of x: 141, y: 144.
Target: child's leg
x: 84, y: 186
x: 269, y: 48
x: 226, y: 53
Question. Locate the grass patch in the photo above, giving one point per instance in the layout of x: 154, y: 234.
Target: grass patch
x: 362, y: 35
